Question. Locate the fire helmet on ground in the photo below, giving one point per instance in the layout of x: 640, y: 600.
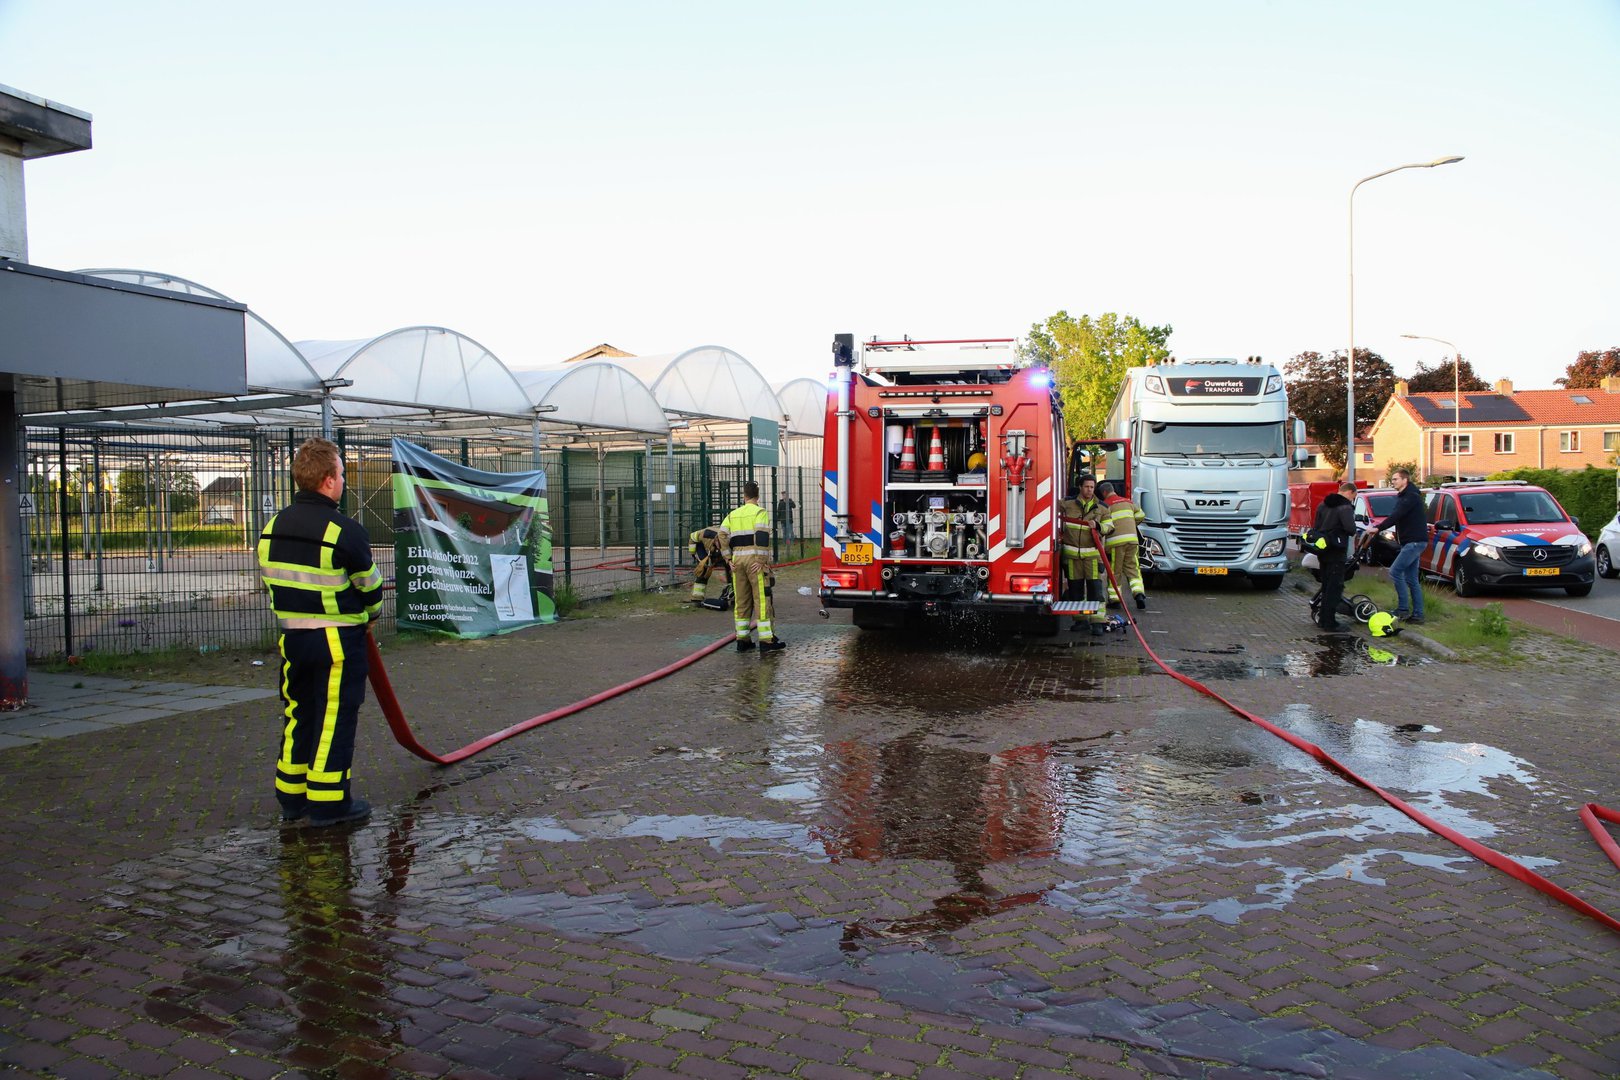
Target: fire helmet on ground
x: 1382, y: 624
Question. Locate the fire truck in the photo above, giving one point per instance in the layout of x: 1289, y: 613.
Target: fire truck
x: 943, y: 467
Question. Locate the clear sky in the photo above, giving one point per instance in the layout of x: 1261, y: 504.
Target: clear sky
x: 546, y: 176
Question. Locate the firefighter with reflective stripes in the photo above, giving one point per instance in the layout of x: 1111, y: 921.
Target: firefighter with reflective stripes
x: 324, y: 589
x: 707, y: 547
x: 1122, y: 544
x: 749, y: 545
x: 1079, y: 514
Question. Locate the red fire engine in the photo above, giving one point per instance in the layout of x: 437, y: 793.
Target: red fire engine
x: 943, y: 468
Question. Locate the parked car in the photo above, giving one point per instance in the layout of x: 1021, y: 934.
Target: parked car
x: 1608, y: 546
x: 1373, y: 506
x: 1507, y: 534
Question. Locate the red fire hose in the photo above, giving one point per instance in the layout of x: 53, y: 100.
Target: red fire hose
x: 1591, y: 813
x: 401, y: 728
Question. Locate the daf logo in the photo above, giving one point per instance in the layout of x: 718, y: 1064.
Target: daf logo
x: 1212, y: 502
x: 1540, y: 554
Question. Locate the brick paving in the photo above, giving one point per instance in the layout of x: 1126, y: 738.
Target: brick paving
x: 913, y: 856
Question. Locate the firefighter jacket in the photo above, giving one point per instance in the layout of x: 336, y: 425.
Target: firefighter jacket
x: 749, y: 527
x: 1077, y: 518
x: 316, y: 564
x: 707, y: 541
x: 1120, y: 518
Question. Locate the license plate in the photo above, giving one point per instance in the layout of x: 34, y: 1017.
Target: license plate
x: 1212, y: 571
x: 1541, y: 571
x: 856, y: 555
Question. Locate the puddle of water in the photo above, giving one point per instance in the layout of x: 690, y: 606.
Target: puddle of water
x: 1314, y: 656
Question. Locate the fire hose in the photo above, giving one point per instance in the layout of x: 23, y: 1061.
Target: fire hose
x: 1592, y: 814
x: 388, y: 701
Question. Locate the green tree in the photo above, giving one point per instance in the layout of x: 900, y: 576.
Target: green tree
x: 1316, y: 395
x: 1439, y: 380
x: 1590, y: 368
x: 1089, y: 357
x: 137, y: 489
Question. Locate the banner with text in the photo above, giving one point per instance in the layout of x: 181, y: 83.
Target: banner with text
x: 472, y: 549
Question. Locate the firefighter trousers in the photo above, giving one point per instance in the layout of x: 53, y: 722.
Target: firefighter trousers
x: 323, y: 682
x: 1126, y: 560
x: 751, y: 586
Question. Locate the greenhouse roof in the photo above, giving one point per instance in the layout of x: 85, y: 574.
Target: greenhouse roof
x: 804, y: 403
x: 710, y: 382
x: 417, y: 370
x: 594, y: 395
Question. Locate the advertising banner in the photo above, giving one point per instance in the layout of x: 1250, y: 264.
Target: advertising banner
x: 472, y: 550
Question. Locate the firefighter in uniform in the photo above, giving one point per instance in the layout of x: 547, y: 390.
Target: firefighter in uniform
x: 707, y: 547
x: 749, y: 543
x: 324, y: 589
x: 1080, y: 513
x: 1122, y: 544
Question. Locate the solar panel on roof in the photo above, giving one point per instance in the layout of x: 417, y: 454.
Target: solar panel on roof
x: 1477, y: 408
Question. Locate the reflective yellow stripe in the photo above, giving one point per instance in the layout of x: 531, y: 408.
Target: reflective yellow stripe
x: 334, y: 680
x: 277, y: 573
x: 321, y: 622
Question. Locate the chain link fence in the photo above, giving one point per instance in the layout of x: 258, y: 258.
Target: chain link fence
x: 145, y: 540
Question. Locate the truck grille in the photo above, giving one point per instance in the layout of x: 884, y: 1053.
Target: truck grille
x: 1557, y: 555
x: 1209, y: 539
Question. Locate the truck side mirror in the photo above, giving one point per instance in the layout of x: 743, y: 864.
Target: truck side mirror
x: 1299, y: 432
x: 1300, y: 456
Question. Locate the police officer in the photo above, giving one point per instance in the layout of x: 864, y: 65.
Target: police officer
x: 749, y: 543
x: 1079, y: 514
x: 1122, y: 544
x: 707, y: 546
x: 324, y: 589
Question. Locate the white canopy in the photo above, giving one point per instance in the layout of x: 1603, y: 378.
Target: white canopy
x: 804, y: 403
x: 595, y: 395
x: 708, y: 382
x: 417, y: 370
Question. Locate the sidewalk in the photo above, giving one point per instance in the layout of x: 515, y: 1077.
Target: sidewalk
x: 63, y: 704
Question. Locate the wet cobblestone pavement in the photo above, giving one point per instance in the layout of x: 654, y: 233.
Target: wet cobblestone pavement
x: 935, y: 855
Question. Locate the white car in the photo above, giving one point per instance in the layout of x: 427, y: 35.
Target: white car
x: 1608, y: 546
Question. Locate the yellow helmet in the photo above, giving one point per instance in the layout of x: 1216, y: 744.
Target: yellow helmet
x: 1382, y: 624
x: 976, y: 461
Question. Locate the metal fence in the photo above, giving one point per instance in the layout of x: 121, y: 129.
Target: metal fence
x: 144, y: 540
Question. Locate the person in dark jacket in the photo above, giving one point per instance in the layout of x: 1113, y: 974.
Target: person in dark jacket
x: 1332, y: 532
x: 1410, y: 520
x: 324, y: 589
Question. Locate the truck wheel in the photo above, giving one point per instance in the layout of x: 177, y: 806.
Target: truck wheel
x: 1267, y: 582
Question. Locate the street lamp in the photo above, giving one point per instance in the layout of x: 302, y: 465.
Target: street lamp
x: 1350, y: 358
x: 1456, y: 401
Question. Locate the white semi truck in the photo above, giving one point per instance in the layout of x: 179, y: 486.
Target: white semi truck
x: 1210, y: 443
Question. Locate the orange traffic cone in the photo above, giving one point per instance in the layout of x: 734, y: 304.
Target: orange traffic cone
x: 936, y: 457
x: 908, y: 459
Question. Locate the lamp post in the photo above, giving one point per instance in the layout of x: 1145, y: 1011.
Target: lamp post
x: 1456, y: 401
x: 1350, y: 357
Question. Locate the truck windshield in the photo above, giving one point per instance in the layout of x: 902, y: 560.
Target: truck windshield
x: 1212, y: 440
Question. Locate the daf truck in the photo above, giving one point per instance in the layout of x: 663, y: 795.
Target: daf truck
x: 1211, y: 443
